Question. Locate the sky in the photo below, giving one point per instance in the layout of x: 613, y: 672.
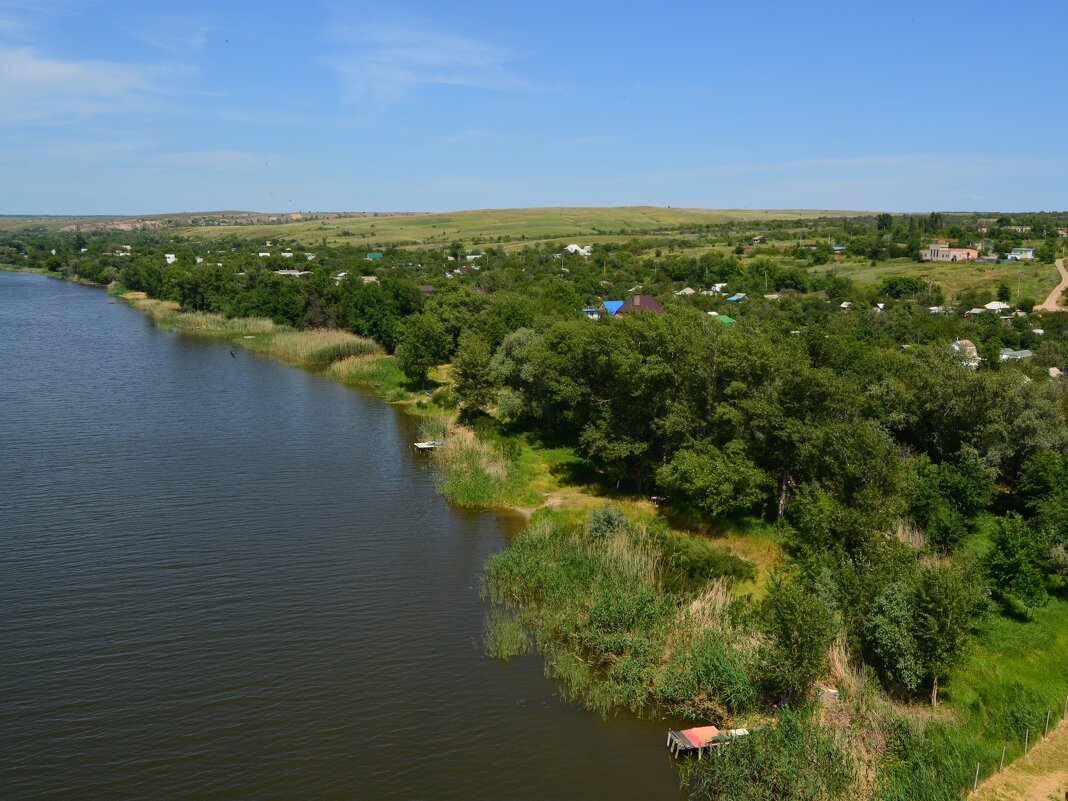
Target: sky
x: 908, y: 105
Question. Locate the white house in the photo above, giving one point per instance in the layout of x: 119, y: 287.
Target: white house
x: 170, y: 257
x: 685, y: 292
x: 265, y: 255
x: 1021, y: 254
x: 1008, y: 354
x: 579, y: 250
x: 996, y: 306
x: 945, y: 253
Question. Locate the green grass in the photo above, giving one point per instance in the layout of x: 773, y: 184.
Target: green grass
x: 1032, y: 280
x: 504, y: 636
x: 489, y: 224
x: 1014, y: 674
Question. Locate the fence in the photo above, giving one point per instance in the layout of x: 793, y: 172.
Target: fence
x: 1030, y: 738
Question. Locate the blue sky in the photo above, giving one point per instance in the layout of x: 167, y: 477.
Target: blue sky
x: 133, y: 107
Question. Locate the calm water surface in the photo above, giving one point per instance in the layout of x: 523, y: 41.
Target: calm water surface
x: 222, y: 578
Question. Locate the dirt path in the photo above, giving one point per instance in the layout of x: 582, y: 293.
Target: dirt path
x: 1042, y: 775
x: 1051, y: 302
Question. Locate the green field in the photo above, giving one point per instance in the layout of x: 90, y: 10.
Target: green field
x: 432, y: 228
x: 1025, y: 279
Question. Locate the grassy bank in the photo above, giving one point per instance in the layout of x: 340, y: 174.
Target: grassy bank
x: 596, y: 599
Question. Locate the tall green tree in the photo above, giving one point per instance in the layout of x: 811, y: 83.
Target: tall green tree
x: 422, y: 343
x: 472, y: 378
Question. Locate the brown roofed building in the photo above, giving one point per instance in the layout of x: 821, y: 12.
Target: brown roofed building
x: 641, y: 303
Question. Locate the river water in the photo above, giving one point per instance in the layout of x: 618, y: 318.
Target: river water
x: 223, y: 578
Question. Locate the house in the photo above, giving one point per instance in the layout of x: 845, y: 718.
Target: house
x: 1019, y: 229
x: 973, y: 312
x: 936, y: 309
x: 611, y: 307
x: 1021, y: 254
x: 340, y: 277
x: 592, y: 314
x: 370, y: 279
x: 374, y: 255
x: 968, y: 352
x: 773, y: 296
x: 1062, y: 232
x: 945, y: 253
x: 170, y: 257
x: 838, y: 250
x: 845, y: 304
x: 265, y: 254
x: 578, y: 250
x: 309, y: 256
x: 1055, y: 372
x: 295, y: 273
x: 1010, y: 355
x: 879, y: 307
x: 996, y: 306
x: 726, y: 319
x: 737, y: 297
x: 760, y: 239
x: 641, y: 303
x: 684, y: 293
x: 286, y: 254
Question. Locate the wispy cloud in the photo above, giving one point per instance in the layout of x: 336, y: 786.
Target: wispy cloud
x: 176, y: 34
x: 386, y: 64
x: 39, y: 89
x: 216, y: 160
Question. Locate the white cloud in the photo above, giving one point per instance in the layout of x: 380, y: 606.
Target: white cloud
x: 38, y: 89
x: 384, y: 64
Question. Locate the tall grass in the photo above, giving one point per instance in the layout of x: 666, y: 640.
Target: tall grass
x: 504, y: 636
x: 319, y: 347
x: 169, y: 317
x: 379, y: 373
x: 612, y: 634
x: 793, y: 758
x: 476, y: 472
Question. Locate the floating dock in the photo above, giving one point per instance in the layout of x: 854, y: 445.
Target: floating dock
x: 700, y: 739
x: 429, y: 445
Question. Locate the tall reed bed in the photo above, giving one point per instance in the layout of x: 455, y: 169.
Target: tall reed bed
x: 473, y: 471
x: 611, y: 633
x: 169, y: 317
x: 319, y: 347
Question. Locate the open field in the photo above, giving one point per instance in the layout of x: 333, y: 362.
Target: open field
x: 1032, y: 280
x: 384, y: 228
x: 515, y: 224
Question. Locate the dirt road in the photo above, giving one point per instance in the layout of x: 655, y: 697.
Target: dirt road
x: 1042, y: 775
x: 1051, y: 302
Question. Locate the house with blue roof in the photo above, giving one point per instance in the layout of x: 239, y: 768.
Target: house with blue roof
x: 611, y: 306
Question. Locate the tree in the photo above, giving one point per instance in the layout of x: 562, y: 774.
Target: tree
x: 1014, y: 564
x: 800, y: 629
x: 947, y: 605
x: 716, y: 482
x: 471, y: 375
x: 1004, y: 292
x: 422, y: 343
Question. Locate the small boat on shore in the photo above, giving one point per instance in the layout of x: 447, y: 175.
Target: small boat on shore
x: 429, y: 445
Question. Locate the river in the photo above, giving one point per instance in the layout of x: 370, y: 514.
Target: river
x: 224, y: 578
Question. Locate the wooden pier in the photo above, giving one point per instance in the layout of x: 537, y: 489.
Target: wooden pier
x: 701, y: 739
x: 428, y: 445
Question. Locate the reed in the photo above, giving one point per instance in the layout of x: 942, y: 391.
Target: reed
x: 319, y: 347
x: 504, y: 636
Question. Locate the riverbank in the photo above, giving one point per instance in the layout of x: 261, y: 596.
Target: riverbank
x: 497, y: 468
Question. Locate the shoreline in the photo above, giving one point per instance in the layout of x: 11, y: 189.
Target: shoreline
x: 375, y: 373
